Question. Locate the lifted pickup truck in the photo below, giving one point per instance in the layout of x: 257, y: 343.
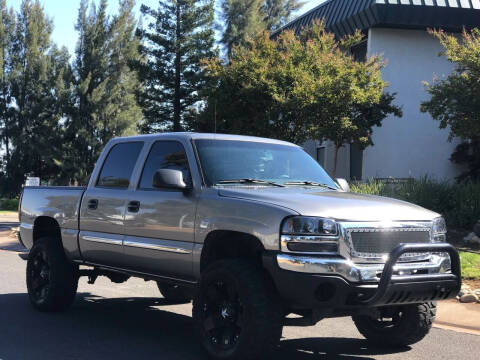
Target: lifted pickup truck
x: 252, y: 230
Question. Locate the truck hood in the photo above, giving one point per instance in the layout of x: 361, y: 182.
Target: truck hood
x: 337, y: 205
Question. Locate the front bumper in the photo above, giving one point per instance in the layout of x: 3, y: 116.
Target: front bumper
x: 313, y: 282
x: 352, y: 272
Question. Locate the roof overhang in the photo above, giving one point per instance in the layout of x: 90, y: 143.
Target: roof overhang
x: 345, y: 16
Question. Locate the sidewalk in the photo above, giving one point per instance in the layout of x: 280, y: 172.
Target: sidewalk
x: 7, y: 241
x: 452, y: 315
x: 9, y: 218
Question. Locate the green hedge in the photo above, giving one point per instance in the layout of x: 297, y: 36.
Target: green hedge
x: 9, y: 204
x: 459, y: 203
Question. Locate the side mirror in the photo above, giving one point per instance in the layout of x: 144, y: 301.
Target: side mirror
x: 343, y: 184
x: 169, y: 179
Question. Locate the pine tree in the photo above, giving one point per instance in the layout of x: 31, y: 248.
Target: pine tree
x: 278, y: 12
x: 104, y: 101
x: 180, y: 34
x: 7, y: 26
x: 244, y: 19
x: 35, y: 68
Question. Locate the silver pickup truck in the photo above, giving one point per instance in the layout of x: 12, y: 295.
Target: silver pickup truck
x: 252, y: 230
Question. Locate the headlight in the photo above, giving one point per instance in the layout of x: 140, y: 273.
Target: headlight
x: 439, y: 230
x: 305, y: 234
x: 304, y: 225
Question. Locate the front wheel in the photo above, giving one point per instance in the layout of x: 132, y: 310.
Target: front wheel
x: 236, y: 312
x: 51, y: 279
x: 397, y: 325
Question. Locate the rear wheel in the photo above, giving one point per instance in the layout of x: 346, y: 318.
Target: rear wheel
x: 397, y: 325
x: 51, y: 279
x: 236, y: 312
x: 174, y: 293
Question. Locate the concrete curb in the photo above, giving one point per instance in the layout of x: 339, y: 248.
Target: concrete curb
x: 459, y: 329
x: 453, y: 315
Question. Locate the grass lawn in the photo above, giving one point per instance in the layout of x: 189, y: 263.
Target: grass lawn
x: 470, y: 265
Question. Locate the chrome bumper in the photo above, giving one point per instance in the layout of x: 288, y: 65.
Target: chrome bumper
x: 353, y: 272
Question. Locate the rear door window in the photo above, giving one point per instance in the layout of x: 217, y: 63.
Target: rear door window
x: 118, y: 167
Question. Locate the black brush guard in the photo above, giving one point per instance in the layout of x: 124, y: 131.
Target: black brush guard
x: 403, y: 289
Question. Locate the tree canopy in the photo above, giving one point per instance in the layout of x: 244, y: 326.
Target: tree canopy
x: 298, y: 87
x: 57, y: 112
x: 455, y: 101
x: 244, y: 19
x: 33, y: 73
x: 180, y: 33
x: 102, y: 102
x: 56, y: 115
x: 277, y: 13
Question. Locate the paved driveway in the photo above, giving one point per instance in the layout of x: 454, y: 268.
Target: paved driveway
x: 130, y: 321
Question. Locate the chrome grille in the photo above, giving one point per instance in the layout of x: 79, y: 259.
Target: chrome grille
x: 383, y: 242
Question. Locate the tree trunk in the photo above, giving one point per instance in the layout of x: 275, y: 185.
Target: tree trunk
x: 176, y: 99
x: 335, y: 157
x: 7, y: 141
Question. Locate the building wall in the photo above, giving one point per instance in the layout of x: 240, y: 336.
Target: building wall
x: 411, y: 146
x: 343, y: 161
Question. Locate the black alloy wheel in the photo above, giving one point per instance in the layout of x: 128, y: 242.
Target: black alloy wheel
x: 52, y: 279
x: 40, y: 277
x: 222, y: 315
x: 236, y: 312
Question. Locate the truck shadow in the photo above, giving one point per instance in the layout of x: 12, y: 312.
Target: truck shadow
x: 331, y: 348
x: 131, y: 328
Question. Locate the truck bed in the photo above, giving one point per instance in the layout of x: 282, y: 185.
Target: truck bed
x: 59, y: 202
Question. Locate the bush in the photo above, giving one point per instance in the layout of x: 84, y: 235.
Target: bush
x: 9, y: 204
x: 459, y: 203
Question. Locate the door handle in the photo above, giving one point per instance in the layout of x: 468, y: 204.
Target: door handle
x: 92, y: 204
x: 133, y: 206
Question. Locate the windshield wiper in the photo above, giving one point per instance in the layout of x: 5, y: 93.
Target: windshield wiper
x: 310, y: 183
x: 249, y: 181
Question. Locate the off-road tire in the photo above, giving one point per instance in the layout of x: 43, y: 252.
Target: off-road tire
x: 414, y: 324
x: 60, y: 277
x: 262, y: 314
x: 173, y: 293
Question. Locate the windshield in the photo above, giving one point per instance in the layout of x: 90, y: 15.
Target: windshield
x: 223, y: 160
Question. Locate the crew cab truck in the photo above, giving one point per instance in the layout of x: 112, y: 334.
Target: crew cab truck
x: 251, y: 229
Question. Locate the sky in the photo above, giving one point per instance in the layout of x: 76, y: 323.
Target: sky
x: 64, y: 14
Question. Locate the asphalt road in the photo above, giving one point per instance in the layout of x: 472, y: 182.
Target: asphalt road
x: 131, y: 321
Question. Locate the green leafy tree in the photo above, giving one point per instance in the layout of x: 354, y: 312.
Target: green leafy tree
x: 455, y: 101
x: 103, y: 100
x: 298, y: 87
x: 179, y: 35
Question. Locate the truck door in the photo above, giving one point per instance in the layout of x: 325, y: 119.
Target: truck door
x: 103, y: 206
x: 159, y: 223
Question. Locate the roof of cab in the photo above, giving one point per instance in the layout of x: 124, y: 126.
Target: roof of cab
x: 197, y: 136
